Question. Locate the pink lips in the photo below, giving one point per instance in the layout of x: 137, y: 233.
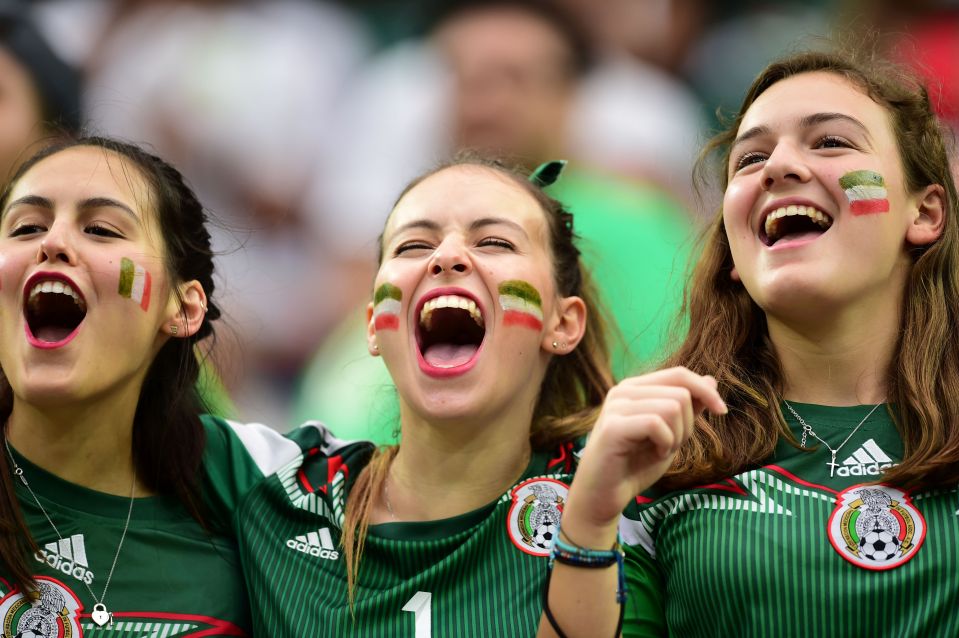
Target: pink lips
x: 425, y: 366
x: 33, y: 281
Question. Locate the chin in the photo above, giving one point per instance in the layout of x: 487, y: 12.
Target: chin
x: 449, y: 406
x: 49, y: 396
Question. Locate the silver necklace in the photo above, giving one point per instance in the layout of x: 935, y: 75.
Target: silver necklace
x: 386, y: 498
x: 807, y: 429
x: 101, y: 616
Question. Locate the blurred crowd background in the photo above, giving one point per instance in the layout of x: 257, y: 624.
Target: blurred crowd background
x: 299, y: 121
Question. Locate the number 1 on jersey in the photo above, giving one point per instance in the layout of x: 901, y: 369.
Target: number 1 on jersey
x: 420, y: 604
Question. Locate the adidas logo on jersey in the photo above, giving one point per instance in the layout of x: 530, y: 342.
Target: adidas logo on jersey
x: 68, y: 555
x: 868, y: 460
x: 318, y: 543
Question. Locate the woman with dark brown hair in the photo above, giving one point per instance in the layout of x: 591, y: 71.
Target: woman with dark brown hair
x: 106, y: 279
x: 825, y: 306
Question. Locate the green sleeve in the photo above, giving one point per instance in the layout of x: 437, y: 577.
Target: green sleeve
x: 230, y: 466
x: 645, y: 610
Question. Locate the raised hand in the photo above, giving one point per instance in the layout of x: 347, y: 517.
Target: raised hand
x: 643, y: 423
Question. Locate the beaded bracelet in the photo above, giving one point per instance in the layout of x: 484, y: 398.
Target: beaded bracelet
x: 569, y: 553
x: 572, y: 554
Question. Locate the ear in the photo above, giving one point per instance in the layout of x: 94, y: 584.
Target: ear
x: 734, y: 275
x: 930, y: 209
x: 371, y: 345
x: 186, y: 313
x: 569, y: 326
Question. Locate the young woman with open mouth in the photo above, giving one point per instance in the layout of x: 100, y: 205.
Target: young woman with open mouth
x: 105, y: 277
x: 825, y: 304
x: 488, y: 324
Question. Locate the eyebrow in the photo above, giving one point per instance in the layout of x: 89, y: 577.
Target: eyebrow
x: 429, y: 224
x: 86, y: 204
x: 496, y: 221
x: 806, y: 122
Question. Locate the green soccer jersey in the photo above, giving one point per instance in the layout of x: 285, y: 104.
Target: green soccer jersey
x: 171, y: 579
x: 478, y: 574
x: 800, y: 546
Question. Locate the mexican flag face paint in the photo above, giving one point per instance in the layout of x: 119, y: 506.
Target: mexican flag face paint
x: 866, y: 191
x: 135, y: 283
x: 386, y: 307
x: 521, y: 303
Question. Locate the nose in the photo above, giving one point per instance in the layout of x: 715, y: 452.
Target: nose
x: 784, y: 164
x: 450, y: 257
x: 57, y: 245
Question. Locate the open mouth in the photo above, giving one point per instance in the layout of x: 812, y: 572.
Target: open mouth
x: 794, y: 222
x: 450, y: 331
x: 54, y: 310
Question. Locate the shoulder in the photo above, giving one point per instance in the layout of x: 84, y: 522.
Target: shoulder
x: 239, y: 456
x: 265, y: 448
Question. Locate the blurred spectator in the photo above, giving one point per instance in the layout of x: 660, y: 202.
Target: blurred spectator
x: 923, y: 35
x: 39, y: 92
x: 635, y: 115
x: 239, y: 94
x: 734, y: 49
x: 503, y: 77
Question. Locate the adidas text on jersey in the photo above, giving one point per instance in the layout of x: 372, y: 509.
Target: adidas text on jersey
x: 318, y: 543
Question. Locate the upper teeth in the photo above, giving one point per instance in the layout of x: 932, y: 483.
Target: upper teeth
x: 449, y: 301
x: 824, y: 220
x: 56, y: 287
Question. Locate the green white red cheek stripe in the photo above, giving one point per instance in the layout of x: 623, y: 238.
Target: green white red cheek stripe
x: 135, y: 283
x: 521, y: 304
x: 386, y: 307
x: 866, y: 191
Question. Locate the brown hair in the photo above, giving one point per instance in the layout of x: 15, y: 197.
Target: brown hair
x: 728, y: 337
x: 168, y: 437
x: 573, y: 387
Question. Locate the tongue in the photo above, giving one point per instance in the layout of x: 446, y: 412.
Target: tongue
x: 448, y: 355
x: 52, y: 334
x: 808, y: 234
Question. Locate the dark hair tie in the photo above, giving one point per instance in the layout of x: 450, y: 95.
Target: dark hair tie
x: 547, y: 173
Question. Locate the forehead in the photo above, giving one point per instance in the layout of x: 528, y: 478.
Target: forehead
x: 789, y: 100
x: 459, y: 195
x: 83, y: 172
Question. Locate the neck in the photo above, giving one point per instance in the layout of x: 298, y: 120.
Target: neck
x: 843, y: 360
x: 88, y: 445
x: 443, y: 470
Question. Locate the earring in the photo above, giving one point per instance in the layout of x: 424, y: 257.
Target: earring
x: 555, y: 345
x: 173, y: 329
x: 203, y: 306
x: 376, y: 346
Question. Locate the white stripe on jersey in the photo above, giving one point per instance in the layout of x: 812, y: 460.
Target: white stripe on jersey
x: 269, y: 449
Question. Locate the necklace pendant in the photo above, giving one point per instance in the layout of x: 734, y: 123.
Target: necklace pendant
x: 101, y: 616
x: 832, y: 463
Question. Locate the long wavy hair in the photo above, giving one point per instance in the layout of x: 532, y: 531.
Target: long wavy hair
x: 728, y: 336
x: 574, y: 385
x: 168, y: 437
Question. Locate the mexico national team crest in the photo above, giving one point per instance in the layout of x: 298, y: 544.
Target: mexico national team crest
x: 52, y: 611
x: 876, y: 526
x: 533, y: 517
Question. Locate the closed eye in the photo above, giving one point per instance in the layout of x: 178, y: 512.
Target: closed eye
x: 411, y: 245
x: 102, y: 231
x: 497, y: 242
x: 26, y: 229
